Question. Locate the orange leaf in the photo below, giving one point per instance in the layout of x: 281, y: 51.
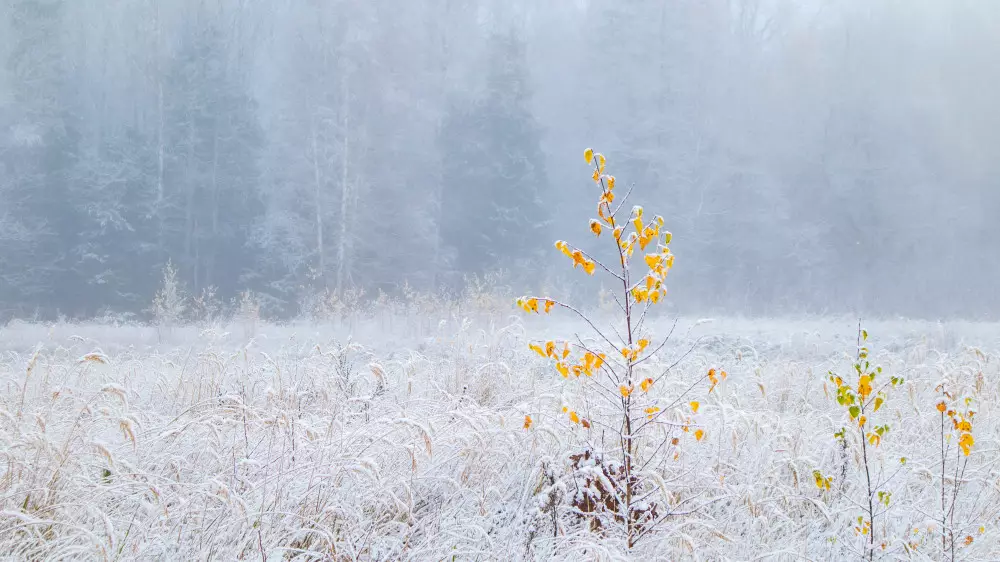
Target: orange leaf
x: 527, y: 422
x: 694, y: 406
x: 699, y: 434
x: 595, y: 227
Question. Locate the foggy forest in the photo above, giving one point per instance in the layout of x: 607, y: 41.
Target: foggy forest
x: 816, y: 157
x: 449, y: 280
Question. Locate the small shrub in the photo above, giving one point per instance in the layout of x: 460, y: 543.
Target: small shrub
x: 615, y: 367
x: 861, y: 395
x: 956, y: 444
x: 170, y: 303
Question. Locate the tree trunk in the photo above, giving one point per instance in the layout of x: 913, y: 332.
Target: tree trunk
x: 318, y: 209
x: 343, y: 268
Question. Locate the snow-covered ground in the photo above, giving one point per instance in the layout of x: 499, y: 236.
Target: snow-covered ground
x: 400, y: 436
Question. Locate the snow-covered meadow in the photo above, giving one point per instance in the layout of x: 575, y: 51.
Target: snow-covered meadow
x: 400, y: 435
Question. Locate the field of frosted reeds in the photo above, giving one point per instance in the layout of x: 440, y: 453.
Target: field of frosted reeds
x: 400, y: 435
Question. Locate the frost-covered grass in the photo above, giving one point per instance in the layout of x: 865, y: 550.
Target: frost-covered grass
x: 400, y: 436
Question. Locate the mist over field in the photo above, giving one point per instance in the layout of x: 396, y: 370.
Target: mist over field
x: 329, y: 280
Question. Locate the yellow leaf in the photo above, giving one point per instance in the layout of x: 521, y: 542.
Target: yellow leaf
x: 600, y: 162
x: 596, y: 176
x: 565, y: 351
x: 966, y: 442
x: 625, y: 390
x: 550, y: 348
x: 549, y: 304
x: 650, y: 411
x: 694, y: 406
x: 611, y: 182
x: 643, y: 343
x: 573, y: 417
x: 527, y: 422
x: 878, y: 402
x: 532, y: 305
x: 589, y: 266
x: 589, y: 155
x: 564, y: 248
x: 595, y: 227
x: 653, y: 260
x: 563, y: 369
x: 699, y: 434
x: 864, y: 386
x: 646, y: 384
x: 537, y: 349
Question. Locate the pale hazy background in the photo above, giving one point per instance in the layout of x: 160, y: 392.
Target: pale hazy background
x: 809, y: 157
